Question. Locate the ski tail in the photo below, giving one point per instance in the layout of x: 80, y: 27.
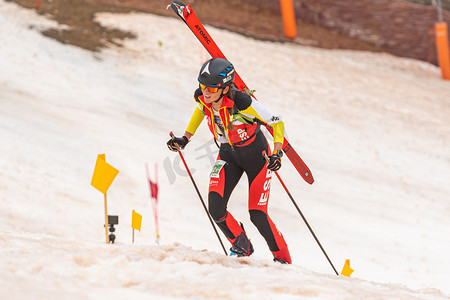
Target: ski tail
x: 187, y: 14
x: 295, y: 159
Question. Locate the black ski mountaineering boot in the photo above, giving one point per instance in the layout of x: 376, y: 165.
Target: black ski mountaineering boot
x: 281, y: 261
x: 242, y: 246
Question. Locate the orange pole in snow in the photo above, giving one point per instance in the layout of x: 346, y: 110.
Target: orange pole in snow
x: 442, y: 48
x: 38, y: 4
x: 288, y: 15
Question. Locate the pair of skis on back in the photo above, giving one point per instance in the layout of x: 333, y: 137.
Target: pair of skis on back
x: 187, y: 14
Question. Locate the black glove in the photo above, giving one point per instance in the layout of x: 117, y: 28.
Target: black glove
x: 275, y: 160
x: 177, y: 144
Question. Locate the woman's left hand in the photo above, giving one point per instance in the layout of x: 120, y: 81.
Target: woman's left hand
x: 275, y: 160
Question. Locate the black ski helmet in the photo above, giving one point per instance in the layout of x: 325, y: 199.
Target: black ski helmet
x: 216, y: 72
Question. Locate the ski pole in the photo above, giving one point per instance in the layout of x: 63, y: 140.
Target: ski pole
x: 301, y: 214
x: 200, y: 196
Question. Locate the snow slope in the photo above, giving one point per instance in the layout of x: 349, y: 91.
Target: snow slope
x: 373, y: 128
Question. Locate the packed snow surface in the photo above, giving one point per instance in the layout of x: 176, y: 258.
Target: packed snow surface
x: 373, y: 128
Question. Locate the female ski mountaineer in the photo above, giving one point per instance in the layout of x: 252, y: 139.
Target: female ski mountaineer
x: 234, y: 118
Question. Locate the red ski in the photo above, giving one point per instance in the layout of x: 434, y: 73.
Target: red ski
x: 187, y: 14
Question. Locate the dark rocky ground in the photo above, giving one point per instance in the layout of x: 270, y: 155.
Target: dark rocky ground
x: 395, y: 26
x: 240, y: 17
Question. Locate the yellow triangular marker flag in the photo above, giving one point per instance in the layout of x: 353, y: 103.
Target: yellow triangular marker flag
x: 104, y: 174
x: 136, y: 220
x: 347, y: 271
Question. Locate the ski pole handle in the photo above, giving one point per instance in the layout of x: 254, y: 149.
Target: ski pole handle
x: 177, y: 144
x: 264, y: 153
x: 172, y: 145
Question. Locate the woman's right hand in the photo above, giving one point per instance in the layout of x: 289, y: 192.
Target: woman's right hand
x: 177, y: 144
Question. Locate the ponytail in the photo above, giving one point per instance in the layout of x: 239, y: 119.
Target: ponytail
x: 231, y: 95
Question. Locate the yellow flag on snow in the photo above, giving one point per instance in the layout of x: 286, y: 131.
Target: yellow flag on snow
x: 136, y: 220
x: 347, y: 271
x: 104, y: 174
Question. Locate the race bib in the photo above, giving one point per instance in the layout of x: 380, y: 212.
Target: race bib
x: 216, y: 169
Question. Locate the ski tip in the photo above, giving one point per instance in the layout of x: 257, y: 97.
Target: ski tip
x: 182, y: 10
x: 177, y: 3
x: 177, y: 7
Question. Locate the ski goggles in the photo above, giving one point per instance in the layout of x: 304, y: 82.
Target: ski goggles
x: 211, y: 89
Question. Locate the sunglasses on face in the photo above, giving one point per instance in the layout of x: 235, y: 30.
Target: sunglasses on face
x: 211, y: 89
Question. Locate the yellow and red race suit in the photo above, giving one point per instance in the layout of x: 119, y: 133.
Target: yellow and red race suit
x: 246, y: 115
